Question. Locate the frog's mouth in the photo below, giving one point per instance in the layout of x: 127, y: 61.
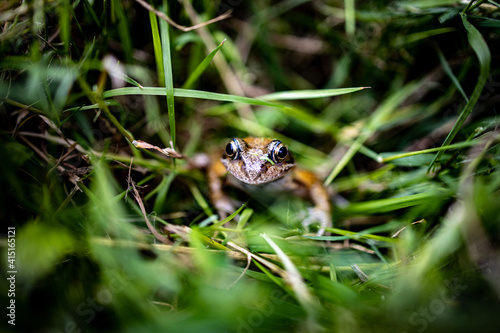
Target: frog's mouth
x: 260, y: 173
x: 254, y: 175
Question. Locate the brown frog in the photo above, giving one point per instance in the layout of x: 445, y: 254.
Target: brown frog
x: 263, y: 164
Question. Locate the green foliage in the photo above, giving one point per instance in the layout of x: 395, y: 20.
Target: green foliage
x: 393, y: 105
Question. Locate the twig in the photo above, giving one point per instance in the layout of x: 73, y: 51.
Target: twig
x: 399, y: 231
x: 166, y: 151
x: 137, y: 198
x: 178, y: 26
x: 249, y: 261
x: 231, y: 80
x: 275, y: 268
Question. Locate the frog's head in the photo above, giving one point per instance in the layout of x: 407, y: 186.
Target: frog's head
x: 257, y: 160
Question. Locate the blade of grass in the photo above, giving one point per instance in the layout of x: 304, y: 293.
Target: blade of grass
x: 169, y: 80
x: 346, y: 234
x: 64, y: 24
x: 297, y: 113
x: 162, y: 191
x: 392, y: 204
x: 270, y: 275
x: 100, y: 103
x: 387, y: 157
x: 245, y: 216
x: 229, y: 218
x: 412, y: 38
x: 375, y: 249
x: 471, y: 5
x: 350, y: 17
x: 90, y: 10
x: 482, y: 51
x: 131, y: 81
x: 157, y: 49
x: 355, y: 181
x: 208, y: 221
x: 376, y: 120
x: 199, y: 198
x: 108, y: 102
x: 178, y: 92
x: 262, y: 100
x: 306, y: 118
x: 201, y: 67
x: 295, y: 281
x: 115, y: 122
x: 306, y: 94
x: 123, y: 29
x: 50, y: 108
x: 452, y: 76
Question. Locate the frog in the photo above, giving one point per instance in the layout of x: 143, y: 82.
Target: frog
x: 257, y: 164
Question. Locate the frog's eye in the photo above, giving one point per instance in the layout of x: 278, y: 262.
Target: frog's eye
x: 278, y: 151
x: 233, y: 149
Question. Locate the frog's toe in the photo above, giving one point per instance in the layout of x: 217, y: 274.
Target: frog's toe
x: 319, y: 216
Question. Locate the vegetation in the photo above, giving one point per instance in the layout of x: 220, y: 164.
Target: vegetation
x: 393, y: 104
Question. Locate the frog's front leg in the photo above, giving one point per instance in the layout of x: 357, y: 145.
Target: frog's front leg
x: 221, y: 201
x: 321, y: 212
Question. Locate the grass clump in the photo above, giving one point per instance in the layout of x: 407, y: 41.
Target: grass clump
x: 114, y: 237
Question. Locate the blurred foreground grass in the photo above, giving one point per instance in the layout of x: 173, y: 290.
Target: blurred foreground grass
x: 413, y: 162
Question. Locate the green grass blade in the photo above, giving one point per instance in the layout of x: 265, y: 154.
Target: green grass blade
x: 350, y: 17
x: 178, y: 92
x: 269, y: 274
x: 201, y: 67
x: 377, y: 119
x: 307, y: 94
x: 295, y: 281
x: 90, y: 10
x: 229, y: 218
x: 346, y: 234
x: 200, y: 200
x: 482, y: 51
x: 51, y: 111
x: 452, y: 76
x: 262, y: 101
x: 392, y: 204
x: 123, y: 29
x: 163, y: 188
x: 64, y: 24
x: 391, y: 156
x: 157, y: 49
x: 169, y: 80
x: 415, y: 37
x: 245, y: 217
